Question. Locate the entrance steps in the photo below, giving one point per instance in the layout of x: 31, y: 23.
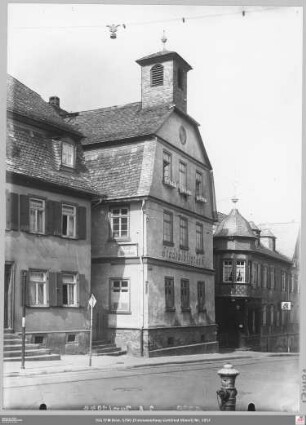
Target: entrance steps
x: 12, y: 347
x: 103, y: 348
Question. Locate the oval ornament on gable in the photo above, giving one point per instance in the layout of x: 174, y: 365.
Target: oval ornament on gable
x: 183, y: 135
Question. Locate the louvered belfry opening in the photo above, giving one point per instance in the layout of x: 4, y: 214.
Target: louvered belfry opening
x: 157, y: 75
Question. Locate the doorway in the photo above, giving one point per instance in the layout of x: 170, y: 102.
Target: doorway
x: 8, y: 296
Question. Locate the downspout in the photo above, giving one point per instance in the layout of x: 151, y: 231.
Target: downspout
x: 143, y: 275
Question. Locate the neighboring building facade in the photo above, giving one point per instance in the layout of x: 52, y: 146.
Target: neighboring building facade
x: 253, y: 279
x: 48, y: 234
x: 152, y: 243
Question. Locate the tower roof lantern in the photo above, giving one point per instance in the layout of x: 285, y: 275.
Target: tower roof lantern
x: 163, y: 56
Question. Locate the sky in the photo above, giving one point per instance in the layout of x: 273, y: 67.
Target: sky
x: 245, y: 88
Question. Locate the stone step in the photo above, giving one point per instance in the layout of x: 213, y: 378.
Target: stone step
x: 42, y: 357
x: 14, y: 341
x: 103, y: 346
x: 18, y: 347
x: 111, y: 353
x: 37, y: 352
x: 106, y: 349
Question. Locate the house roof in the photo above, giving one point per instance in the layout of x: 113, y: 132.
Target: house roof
x: 286, y: 234
x: 26, y: 102
x: 266, y: 233
x: 119, y: 122
x: 32, y: 154
x: 234, y: 225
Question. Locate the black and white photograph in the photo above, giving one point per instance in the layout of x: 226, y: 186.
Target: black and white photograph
x: 153, y: 163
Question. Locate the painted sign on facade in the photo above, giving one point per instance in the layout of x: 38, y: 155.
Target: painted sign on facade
x: 181, y: 256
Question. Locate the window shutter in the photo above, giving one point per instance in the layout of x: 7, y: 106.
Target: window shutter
x: 59, y: 289
x: 12, y: 211
x: 24, y: 213
x: 83, y: 291
x: 54, y: 218
x: 24, y: 288
x: 81, y: 222
x: 52, y: 289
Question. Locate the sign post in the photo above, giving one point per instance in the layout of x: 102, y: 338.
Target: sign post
x: 286, y: 305
x: 23, y: 322
x: 92, y: 302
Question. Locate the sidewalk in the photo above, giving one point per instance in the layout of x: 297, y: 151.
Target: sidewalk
x: 77, y: 363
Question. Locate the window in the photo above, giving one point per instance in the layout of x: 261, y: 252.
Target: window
x: 38, y: 288
x: 168, y: 228
x: 199, y: 238
x: 201, y: 296
x: 264, y: 315
x: 255, y: 276
x: 120, y: 296
x: 157, y: 75
x: 68, y: 220
x: 68, y: 154
x: 240, y: 271
x: 69, y: 289
x: 167, y: 167
x: 272, y: 315
x: 185, y: 303
x: 199, y: 184
x: 183, y: 233
x: 227, y: 271
x: 169, y: 293
x: 272, y: 278
x: 120, y: 222
x: 37, y: 216
x: 259, y: 274
x: 265, y: 277
x: 283, y: 281
x: 292, y: 283
x: 183, y: 176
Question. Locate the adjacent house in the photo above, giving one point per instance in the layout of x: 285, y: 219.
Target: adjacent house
x: 256, y: 287
x: 48, y: 226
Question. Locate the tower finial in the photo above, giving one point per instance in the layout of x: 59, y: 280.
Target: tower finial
x: 235, y: 200
x: 164, y: 40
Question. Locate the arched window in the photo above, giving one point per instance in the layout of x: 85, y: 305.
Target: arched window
x: 157, y: 75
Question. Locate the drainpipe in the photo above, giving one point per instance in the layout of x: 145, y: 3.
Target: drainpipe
x: 143, y: 274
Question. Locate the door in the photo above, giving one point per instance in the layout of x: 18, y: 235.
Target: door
x: 8, y: 296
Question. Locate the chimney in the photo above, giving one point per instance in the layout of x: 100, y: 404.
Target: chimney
x: 54, y: 101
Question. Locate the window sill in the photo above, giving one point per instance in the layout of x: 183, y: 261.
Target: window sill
x: 168, y: 243
x: 185, y: 248
x: 69, y: 168
x: 120, y: 240
x: 170, y: 185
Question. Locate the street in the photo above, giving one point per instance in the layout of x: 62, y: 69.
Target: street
x: 271, y: 383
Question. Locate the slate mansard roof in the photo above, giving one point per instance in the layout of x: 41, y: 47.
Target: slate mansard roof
x: 31, y: 153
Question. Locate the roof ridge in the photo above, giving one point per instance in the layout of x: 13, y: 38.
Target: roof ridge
x: 110, y: 108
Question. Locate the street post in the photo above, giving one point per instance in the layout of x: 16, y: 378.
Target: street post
x: 23, y: 323
x: 92, y: 302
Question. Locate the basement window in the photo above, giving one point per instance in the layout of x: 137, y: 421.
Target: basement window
x: 38, y: 339
x: 170, y: 340
x: 157, y: 75
x: 71, y: 338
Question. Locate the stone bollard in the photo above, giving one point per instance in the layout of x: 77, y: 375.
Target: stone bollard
x: 227, y: 393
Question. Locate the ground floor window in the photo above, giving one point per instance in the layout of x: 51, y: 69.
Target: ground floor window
x: 120, y: 296
x: 169, y: 293
x: 227, y: 271
x: 185, y: 294
x: 201, y: 296
x: 37, y: 291
x: 69, y: 289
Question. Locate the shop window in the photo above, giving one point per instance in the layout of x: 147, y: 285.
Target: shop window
x: 185, y: 294
x: 228, y: 271
x: 120, y: 222
x: 169, y: 293
x: 68, y: 221
x: 120, y: 296
x: 69, y: 282
x: 37, y: 215
x: 168, y: 228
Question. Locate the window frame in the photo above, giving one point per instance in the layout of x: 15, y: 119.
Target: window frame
x: 128, y: 291
x: 75, y: 289
x: 199, y: 238
x: 283, y: 281
x: 183, y: 176
x: 201, y: 295
x: 74, y: 215
x: 185, y: 295
x: 238, y: 269
x: 199, y: 186
x: 119, y: 216
x: 169, y: 293
x: 170, y: 223
x: 157, y: 75
x: 45, y: 286
x: 72, y: 153
x: 184, y: 233
x: 43, y: 210
x: 167, y: 168
x: 227, y: 277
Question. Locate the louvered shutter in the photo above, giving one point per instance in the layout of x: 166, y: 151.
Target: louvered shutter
x: 52, y: 289
x: 24, y: 213
x: 54, y: 218
x: 12, y: 211
x: 59, y: 289
x: 81, y: 222
x: 83, y: 291
x: 24, y: 288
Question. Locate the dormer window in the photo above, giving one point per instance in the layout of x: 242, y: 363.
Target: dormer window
x: 68, y: 154
x: 157, y: 75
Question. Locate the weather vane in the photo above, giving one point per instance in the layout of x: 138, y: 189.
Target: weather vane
x: 113, y: 30
x: 164, y: 40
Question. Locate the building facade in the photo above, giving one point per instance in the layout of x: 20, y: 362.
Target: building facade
x: 255, y: 286
x: 152, y: 246
x: 48, y: 233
